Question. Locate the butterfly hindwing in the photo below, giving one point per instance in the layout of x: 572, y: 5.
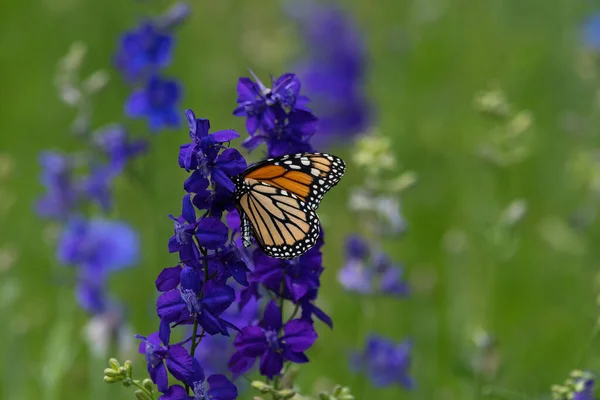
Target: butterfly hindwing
x: 277, y: 199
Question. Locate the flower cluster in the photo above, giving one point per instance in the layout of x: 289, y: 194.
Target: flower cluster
x: 276, y: 116
x: 143, y: 52
x: 333, y: 69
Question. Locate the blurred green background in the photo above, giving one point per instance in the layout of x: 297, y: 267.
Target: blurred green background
x: 532, y: 286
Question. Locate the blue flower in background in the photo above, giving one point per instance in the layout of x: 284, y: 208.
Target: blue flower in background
x: 333, y: 69
x: 385, y: 362
x: 368, y: 271
x: 96, y: 248
x: 591, y: 32
x: 57, y: 177
x: 157, y: 102
x: 116, y: 144
x: 143, y: 50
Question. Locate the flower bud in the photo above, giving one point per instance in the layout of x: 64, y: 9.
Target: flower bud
x: 142, y: 395
x: 114, y: 364
x: 148, y: 385
x: 262, y: 386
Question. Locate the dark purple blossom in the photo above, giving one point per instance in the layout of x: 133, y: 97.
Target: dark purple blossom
x: 216, y: 387
x: 194, y: 299
x: 385, y: 362
x: 157, y: 102
x: 143, y: 51
x: 204, y: 155
x: 185, y: 226
x: 277, y: 116
x: 162, y: 357
x: 273, y: 342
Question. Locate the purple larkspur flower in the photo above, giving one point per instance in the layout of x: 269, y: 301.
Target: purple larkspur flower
x: 385, y: 362
x: 162, y: 357
x: 196, y: 299
x: 143, y: 51
x: 157, y: 102
x: 586, y: 389
x: 276, y: 116
x: 273, y: 342
x: 208, y: 157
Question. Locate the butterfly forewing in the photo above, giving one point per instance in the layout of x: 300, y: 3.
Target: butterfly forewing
x: 307, y: 175
x: 277, y: 199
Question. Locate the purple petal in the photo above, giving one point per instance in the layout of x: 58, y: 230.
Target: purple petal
x: 164, y: 332
x: 299, y: 335
x: 218, y: 298
x: 168, y: 279
x: 191, y: 119
x: 246, y: 89
x: 212, y: 324
x: 196, y: 182
x: 231, y: 162
x: 137, y: 104
x: 272, y: 317
x: 271, y: 363
x: 212, y: 233
x: 252, y: 124
x: 221, y: 388
x: 175, y: 392
x: 169, y: 306
x: 251, y: 341
x: 203, y: 126
x: 224, y: 136
x: 187, y: 210
x: 179, y: 362
x: 161, y: 379
x: 222, y: 179
x: 190, y: 280
x: 295, y: 357
x: 239, y: 364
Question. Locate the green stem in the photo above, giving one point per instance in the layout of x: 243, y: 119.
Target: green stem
x: 137, y: 384
x: 294, y: 313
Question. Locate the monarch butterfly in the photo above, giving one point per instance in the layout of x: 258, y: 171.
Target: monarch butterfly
x: 277, y: 200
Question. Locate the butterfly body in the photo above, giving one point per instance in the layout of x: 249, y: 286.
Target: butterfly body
x: 277, y: 200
